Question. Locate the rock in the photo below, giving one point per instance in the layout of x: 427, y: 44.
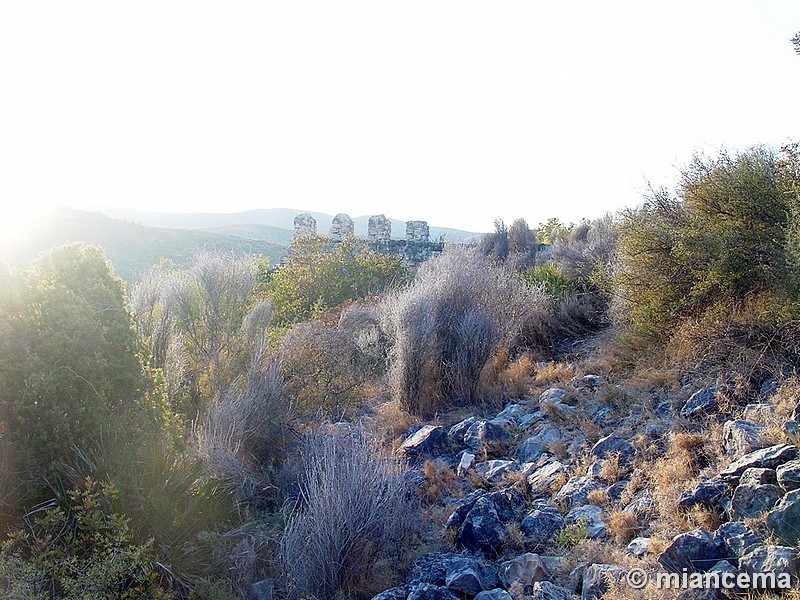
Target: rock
x: 495, y: 594
x: 604, y: 416
x: 796, y: 413
x: 523, y: 570
x: 541, y: 525
x: 615, y: 491
x: 457, y: 431
x: 595, y: 469
x: 264, y: 590
x: 482, y: 530
x: 486, y: 438
x: 535, y: 445
x: 509, y: 503
x: 428, y: 591
x: 642, y: 505
x: 734, y: 538
x: 417, y: 231
x: 596, y: 580
x: 305, y: 225
x: 769, y: 559
x: 783, y: 521
x: 592, y: 516
x: 592, y: 380
x: 749, y: 501
x: 701, y: 594
x: 542, y: 480
x: 791, y: 429
x: 544, y: 590
x: 379, y: 228
x: 706, y: 493
x: 465, y: 462
x: 493, y: 471
x: 458, y: 572
x: 740, y: 438
x: 464, y: 506
x: 342, y: 227
x: 396, y: 593
x: 552, y: 395
x: 788, y: 475
x: 527, y: 421
x: 512, y: 413
x: 638, y: 547
x: 428, y: 441
x: 702, y: 402
x: 765, y: 458
x: 758, y: 412
x: 576, y: 490
x: 613, y: 444
x: 575, y: 577
x: 755, y: 476
x: 695, y: 551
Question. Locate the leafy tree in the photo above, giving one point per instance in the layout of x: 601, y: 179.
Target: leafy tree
x: 320, y: 275
x: 725, y: 236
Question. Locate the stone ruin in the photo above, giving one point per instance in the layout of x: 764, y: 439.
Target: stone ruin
x: 305, y: 225
x: 417, y: 231
x: 342, y: 227
x: 379, y: 228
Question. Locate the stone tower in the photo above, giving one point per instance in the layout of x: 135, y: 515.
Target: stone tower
x: 379, y: 228
x: 342, y: 227
x: 417, y: 231
x: 305, y: 225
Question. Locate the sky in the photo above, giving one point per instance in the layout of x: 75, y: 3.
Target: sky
x: 456, y: 112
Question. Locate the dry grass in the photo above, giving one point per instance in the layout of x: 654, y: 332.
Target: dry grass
x: 551, y: 373
x: 623, y: 526
x: 598, y: 497
x: 440, y: 481
x: 391, y: 421
x: 612, y: 469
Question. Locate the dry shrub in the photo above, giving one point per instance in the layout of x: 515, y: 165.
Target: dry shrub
x: 446, y: 325
x: 678, y: 470
x: 552, y: 373
x: 440, y: 481
x: 352, y: 512
x: 623, y: 525
x: 612, y: 469
x: 391, y: 421
x: 503, y: 378
x: 784, y: 401
x: 598, y: 497
x: 324, y: 369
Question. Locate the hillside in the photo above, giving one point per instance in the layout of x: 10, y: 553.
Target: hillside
x: 130, y: 247
x: 270, y: 221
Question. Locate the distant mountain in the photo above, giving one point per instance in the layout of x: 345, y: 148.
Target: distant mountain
x: 276, y: 218
x: 131, y: 248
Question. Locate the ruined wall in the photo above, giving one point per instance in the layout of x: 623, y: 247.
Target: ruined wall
x: 305, y: 225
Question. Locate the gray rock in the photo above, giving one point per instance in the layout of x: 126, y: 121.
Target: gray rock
x: 749, y: 501
x: 694, y: 551
x: 552, y: 395
x: 494, y: 471
x: 615, y: 444
x: 788, y: 475
x: 592, y: 380
x: 576, y: 490
x: 457, y: 431
x: 462, y: 509
x: 512, y: 413
x: 495, y: 594
x: 596, y: 578
x: 642, y: 505
x: 527, y: 421
x: 769, y: 559
x: 523, y: 570
x: 758, y: 412
x: 791, y: 429
x: 396, y: 593
x: 263, y: 590
x: 482, y: 530
x: 757, y: 476
x: 575, y: 577
x: 638, y: 547
x: 466, y: 461
x: 509, y: 503
x: 706, y: 493
x: 734, y: 538
x: 428, y: 591
x: 459, y: 572
x: 487, y: 438
x: 595, y: 469
x: 702, y: 402
x: 765, y: 458
x: 784, y: 521
x: 740, y: 438
x: 535, y: 445
x: 592, y: 516
x: 428, y: 441
x: 541, y: 481
x: 544, y: 590
x: 541, y: 525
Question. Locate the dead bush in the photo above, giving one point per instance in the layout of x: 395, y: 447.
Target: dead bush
x: 352, y: 512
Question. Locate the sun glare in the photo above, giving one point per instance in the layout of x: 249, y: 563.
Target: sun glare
x: 17, y: 224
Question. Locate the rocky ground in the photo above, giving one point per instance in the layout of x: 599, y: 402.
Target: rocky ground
x: 563, y: 494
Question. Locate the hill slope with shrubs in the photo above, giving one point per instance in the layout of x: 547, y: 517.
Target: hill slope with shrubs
x: 539, y: 415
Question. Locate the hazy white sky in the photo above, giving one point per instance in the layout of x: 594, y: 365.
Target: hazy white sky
x: 451, y: 111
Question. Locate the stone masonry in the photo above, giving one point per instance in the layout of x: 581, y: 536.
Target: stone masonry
x: 417, y: 231
x: 342, y: 227
x: 305, y: 225
x: 379, y: 228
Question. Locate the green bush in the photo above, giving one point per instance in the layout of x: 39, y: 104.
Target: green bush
x: 725, y: 236
x: 554, y: 280
x: 84, y: 550
x: 321, y: 274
